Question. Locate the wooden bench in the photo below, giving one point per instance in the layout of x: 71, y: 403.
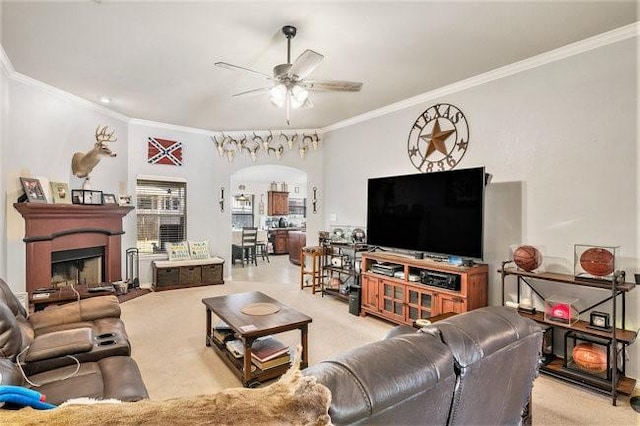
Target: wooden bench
x: 172, y: 274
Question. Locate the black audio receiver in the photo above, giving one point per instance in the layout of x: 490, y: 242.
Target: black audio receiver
x: 440, y: 279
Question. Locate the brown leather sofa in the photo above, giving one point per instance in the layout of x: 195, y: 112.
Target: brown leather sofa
x: 108, y: 377
x: 89, y: 329
x: 472, y: 368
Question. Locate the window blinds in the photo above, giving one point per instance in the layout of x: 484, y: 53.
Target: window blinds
x: 161, y: 208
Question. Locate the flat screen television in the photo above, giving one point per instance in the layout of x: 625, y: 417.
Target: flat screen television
x: 440, y: 213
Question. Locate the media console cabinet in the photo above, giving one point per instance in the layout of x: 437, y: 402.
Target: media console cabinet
x: 169, y: 275
x: 401, y: 300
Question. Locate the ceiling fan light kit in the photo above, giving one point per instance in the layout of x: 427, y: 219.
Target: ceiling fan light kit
x: 290, y: 89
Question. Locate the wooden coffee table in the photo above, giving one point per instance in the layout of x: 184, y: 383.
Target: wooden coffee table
x: 249, y: 327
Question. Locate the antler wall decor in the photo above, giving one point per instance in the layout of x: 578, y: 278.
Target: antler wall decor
x: 83, y: 163
x: 231, y: 145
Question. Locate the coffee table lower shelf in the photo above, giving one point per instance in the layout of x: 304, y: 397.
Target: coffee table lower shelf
x: 237, y: 366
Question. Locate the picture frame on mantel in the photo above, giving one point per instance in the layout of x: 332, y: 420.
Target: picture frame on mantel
x: 109, y: 199
x: 60, y: 193
x: 86, y: 196
x: 33, y: 190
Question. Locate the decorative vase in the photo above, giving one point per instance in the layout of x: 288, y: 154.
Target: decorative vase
x: 86, y: 184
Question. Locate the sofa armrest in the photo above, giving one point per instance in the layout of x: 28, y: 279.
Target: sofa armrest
x: 83, y: 310
x: 59, y: 344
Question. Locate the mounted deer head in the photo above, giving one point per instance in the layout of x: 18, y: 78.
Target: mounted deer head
x: 83, y: 163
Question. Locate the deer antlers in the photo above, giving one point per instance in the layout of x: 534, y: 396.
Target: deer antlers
x: 266, y: 141
x: 103, y: 136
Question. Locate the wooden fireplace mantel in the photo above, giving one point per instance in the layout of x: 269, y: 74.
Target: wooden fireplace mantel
x: 55, y: 227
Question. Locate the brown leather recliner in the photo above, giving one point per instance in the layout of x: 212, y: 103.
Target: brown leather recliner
x: 115, y: 377
x: 473, y: 368
x: 90, y: 329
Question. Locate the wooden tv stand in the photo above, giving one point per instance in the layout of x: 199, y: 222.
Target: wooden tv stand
x: 402, y: 301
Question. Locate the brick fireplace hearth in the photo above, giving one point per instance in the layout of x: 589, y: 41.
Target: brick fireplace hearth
x: 51, y: 228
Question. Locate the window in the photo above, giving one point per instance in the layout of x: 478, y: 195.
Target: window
x: 242, y: 211
x: 161, y: 214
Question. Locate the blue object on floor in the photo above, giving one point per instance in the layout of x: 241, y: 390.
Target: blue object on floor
x: 23, y: 397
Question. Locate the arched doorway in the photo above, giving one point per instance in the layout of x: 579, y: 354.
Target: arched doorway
x: 249, y: 189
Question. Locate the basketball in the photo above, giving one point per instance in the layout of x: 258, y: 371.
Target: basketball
x: 592, y: 358
x: 597, y: 261
x: 527, y: 258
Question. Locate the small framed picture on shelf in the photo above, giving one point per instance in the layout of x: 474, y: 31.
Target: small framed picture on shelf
x: 60, y: 193
x: 124, y: 200
x: 599, y: 321
x: 83, y: 196
x: 109, y: 199
x: 33, y: 190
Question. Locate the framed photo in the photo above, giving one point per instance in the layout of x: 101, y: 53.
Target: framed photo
x: 109, y: 199
x: 60, y: 193
x: 83, y: 196
x: 599, y: 321
x: 33, y: 190
x: 124, y: 200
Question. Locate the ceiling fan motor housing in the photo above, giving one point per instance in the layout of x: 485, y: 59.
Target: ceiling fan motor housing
x: 281, y: 70
x: 289, y: 31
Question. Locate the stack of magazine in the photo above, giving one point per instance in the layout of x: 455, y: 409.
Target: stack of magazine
x: 222, y: 332
x: 268, y: 352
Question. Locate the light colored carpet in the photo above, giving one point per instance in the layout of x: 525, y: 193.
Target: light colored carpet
x: 167, y: 333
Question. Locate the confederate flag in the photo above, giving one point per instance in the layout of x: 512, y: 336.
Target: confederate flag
x: 164, y: 151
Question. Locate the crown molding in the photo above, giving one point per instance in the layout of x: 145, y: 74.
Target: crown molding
x: 582, y: 46
x: 5, y: 64
x: 28, y: 81
x: 194, y: 130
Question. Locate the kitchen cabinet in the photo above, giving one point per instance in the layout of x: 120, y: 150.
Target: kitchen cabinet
x: 280, y: 242
x: 278, y: 203
x: 296, y: 240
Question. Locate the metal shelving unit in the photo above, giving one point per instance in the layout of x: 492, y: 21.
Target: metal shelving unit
x: 340, y: 261
x: 619, y: 337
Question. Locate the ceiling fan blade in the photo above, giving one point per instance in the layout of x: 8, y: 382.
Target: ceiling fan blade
x: 305, y: 64
x: 253, y: 92
x: 335, y: 86
x: 243, y: 69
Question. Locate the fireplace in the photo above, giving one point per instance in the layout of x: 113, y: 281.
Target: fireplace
x: 62, y: 241
x: 77, y: 266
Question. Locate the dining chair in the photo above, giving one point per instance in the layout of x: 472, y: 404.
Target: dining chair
x: 249, y: 245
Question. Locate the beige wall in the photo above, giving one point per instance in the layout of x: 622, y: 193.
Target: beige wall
x: 565, y: 133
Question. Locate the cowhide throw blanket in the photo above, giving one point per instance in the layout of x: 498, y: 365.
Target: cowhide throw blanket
x: 293, y: 400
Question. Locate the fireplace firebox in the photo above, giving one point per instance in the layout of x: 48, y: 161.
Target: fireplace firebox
x: 77, y: 266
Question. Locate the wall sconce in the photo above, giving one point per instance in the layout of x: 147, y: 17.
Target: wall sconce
x: 221, y: 200
x: 314, y: 200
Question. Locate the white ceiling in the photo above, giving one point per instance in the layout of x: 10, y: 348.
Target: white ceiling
x: 155, y: 59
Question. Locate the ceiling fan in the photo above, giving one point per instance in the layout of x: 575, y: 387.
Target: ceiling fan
x: 290, y: 88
